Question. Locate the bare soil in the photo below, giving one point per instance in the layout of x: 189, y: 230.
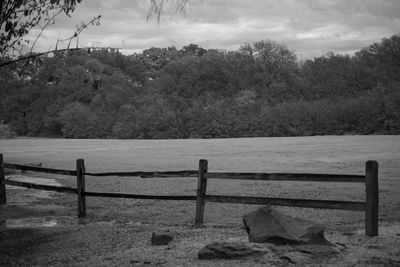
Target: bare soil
x: 43, y: 230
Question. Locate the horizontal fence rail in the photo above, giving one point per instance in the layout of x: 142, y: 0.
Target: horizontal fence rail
x: 370, y: 179
x: 165, y: 174
x: 61, y: 189
x: 135, y: 196
x: 289, y: 202
x: 300, y: 177
x: 38, y: 169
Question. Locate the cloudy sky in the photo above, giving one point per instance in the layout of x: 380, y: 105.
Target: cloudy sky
x: 309, y: 27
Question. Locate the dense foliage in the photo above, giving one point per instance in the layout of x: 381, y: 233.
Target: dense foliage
x: 259, y: 90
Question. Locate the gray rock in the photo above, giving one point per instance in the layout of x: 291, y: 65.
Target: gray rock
x: 267, y: 224
x: 228, y: 250
x: 160, y: 238
x: 318, y: 250
x: 304, y: 253
x: 297, y: 257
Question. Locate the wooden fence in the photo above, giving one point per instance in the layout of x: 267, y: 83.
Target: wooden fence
x: 369, y: 206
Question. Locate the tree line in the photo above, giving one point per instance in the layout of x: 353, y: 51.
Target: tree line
x: 261, y: 89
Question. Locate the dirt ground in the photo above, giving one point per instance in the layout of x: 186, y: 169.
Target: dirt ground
x: 38, y: 228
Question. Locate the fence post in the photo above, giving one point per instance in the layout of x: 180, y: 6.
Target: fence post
x: 80, y: 181
x: 3, y: 199
x: 372, y: 198
x: 201, y: 191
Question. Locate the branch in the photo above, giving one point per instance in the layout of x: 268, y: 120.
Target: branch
x: 79, y: 30
x: 44, y: 27
x: 20, y: 16
x: 157, y: 6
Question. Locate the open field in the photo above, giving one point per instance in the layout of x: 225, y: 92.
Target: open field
x: 117, y: 231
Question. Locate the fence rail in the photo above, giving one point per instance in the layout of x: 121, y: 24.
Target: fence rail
x: 289, y: 202
x: 61, y: 189
x: 166, y: 174
x: 298, y: 177
x: 370, y: 179
x: 38, y: 169
x: 136, y: 196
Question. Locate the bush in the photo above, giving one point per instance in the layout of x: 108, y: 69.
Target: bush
x: 6, y: 131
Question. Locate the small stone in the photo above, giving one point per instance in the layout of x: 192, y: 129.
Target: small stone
x: 160, y: 238
x: 228, y: 250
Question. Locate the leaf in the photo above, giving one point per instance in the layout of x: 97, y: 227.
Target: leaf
x: 19, y: 3
x: 9, y: 26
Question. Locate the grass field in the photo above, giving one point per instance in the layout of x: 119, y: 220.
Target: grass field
x: 319, y: 154
x: 330, y: 153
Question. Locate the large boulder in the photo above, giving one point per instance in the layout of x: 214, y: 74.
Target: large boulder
x: 228, y: 250
x: 267, y: 224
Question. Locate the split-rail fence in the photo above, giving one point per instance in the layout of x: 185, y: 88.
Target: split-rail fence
x: 369, y: 179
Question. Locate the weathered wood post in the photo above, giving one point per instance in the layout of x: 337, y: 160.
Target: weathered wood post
x: 80, y: 181
x: 372, y: 198
x: 3, y: 199
x: 201, y: 192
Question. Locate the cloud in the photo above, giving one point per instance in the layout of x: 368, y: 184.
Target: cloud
x: 310, y: 27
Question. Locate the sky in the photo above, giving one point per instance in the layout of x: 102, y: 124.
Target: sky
x: 310, y: 28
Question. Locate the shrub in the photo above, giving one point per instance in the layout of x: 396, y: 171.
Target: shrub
x: 6, y: 131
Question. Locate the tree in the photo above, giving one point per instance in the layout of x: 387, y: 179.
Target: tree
x: 271, y: 60
x: 193, y: 49
x: 78, y: 121
x: 218, y: 94
x: 382, y: 60
x: 212, y: 74
x: 334, y: 75
x: 18, y: 17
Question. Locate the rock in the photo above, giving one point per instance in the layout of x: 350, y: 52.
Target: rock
x: 227, y: 250
x: 296, y: 257
x: 267, y: 224
x: 160, y: 238
x: 317, y: 250
x: 304, y: 253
